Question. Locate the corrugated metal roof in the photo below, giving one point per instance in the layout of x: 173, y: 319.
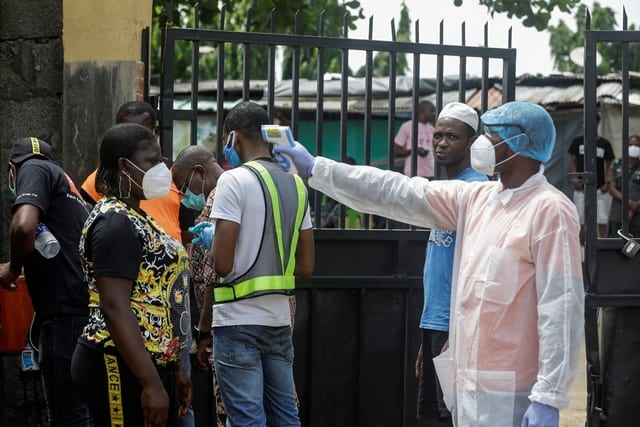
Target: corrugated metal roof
x: 563, y: 90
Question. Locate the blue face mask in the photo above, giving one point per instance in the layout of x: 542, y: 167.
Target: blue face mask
x: 193, y: 201
x: 230, y: 152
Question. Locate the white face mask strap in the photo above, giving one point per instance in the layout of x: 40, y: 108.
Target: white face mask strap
x: 507, y: 159
x: 134, y: 165
x: 129, y: 176
x: 514, y: 154
x: 231, y: 139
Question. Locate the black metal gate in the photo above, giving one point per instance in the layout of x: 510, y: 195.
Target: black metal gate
x: 356, y: 331
x: 611, y: 278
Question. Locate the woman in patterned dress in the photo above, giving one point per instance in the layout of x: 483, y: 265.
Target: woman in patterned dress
x: 127, y: 362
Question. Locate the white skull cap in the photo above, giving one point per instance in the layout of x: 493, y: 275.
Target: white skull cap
x: 462, y: 112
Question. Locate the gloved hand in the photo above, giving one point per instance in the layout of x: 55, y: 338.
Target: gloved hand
x: 541, y: 415
x: 204, y: 232
x: 303, y: 160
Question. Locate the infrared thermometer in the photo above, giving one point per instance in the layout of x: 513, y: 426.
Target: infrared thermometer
x: 280, y: 135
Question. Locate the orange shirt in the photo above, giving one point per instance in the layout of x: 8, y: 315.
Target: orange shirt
x: 163, y: 210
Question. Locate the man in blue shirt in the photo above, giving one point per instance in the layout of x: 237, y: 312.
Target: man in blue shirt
x: 454, y: 133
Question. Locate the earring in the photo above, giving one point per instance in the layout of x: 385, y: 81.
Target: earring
x: 125, y: 173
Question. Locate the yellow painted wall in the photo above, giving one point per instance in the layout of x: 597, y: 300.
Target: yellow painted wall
x: 104, y: 30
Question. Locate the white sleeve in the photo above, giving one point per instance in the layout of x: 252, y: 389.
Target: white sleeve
x: 388, y: 194
x: 560, y: 292
x: 306, y: 220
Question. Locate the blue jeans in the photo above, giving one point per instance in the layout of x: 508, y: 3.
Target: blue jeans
x: 58, y: 339
x: 254, y: 369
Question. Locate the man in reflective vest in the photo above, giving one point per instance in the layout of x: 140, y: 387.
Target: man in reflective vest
x: 263, y: 240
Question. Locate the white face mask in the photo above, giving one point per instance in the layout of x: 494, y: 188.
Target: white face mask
x: 634, y: 151
x: 156, y: 181
x: 483, y: 155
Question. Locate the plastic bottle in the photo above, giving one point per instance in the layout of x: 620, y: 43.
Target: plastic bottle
x: 46, y: 243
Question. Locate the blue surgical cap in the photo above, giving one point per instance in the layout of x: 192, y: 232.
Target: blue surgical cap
x: 530, y: 126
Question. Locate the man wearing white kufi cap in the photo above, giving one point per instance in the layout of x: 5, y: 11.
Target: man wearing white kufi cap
x: 517, y: 299
x: 454, y: 133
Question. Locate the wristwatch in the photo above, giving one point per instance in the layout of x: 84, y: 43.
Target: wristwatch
x: 199, y: 335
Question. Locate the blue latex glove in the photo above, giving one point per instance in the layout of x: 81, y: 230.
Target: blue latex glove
x: 204, y: 232
x: 303, y: 160
x: 541, y: 415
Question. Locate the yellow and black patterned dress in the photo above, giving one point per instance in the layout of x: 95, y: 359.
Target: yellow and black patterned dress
x: 158, y: 266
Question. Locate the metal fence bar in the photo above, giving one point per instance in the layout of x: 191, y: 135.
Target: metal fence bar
x: 344, y: 111
x: 144, y: 57
x: 485, y: 73
x: 246, y: 63
x: 319, y: 114
x: 220, y: 85
x: 367, y: 112
x: 625, y: 128
x: 295, y: 80
x: 391, y: 118
x: 415, y: 101
x: 195, y: 77
x: 509, y: 73
x: 462, y: 72
x: 392, y: 100
x: 271, y: 76
x: 439, y: 74
x: 167, y: 78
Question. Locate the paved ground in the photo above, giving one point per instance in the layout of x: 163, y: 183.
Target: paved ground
x: 575, y: 414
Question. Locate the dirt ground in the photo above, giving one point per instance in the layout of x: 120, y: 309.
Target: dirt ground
x: 575, y: 414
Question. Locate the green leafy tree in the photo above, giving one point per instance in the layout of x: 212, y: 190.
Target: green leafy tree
x: 381, y: 59
x: 236, y: 13
x: 533, y: 13
x: 563, y: 39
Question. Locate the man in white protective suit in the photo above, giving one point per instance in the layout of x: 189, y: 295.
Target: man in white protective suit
x: 517, y: 292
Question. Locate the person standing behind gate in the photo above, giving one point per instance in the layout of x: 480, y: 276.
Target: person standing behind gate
x: 127, y: 362
x: 454, y: 133
x: 517, y: 302
x: 263, y: 238
x: 614, y: 179
x: 604, y: 157
x: 403, y: 141
x: 45, y: 195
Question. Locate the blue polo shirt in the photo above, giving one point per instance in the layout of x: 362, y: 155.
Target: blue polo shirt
x: 438, y: 268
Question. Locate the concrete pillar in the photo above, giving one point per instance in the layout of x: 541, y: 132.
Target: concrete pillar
x: 102, y: 70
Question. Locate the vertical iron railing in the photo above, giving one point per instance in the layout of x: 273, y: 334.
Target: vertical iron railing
x: 610, y: 277
x: 318, y: 45
x: 144, y: 57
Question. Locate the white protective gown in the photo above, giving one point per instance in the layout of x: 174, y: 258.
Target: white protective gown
x: 517, y: 304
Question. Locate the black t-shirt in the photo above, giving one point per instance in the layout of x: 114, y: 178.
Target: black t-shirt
x: 56, y: 285
x: 115, y: 248
x: 121, y: 241
x: 604, y: 151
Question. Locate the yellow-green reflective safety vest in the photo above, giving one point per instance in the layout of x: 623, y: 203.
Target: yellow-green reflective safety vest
x: 272, y: 271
